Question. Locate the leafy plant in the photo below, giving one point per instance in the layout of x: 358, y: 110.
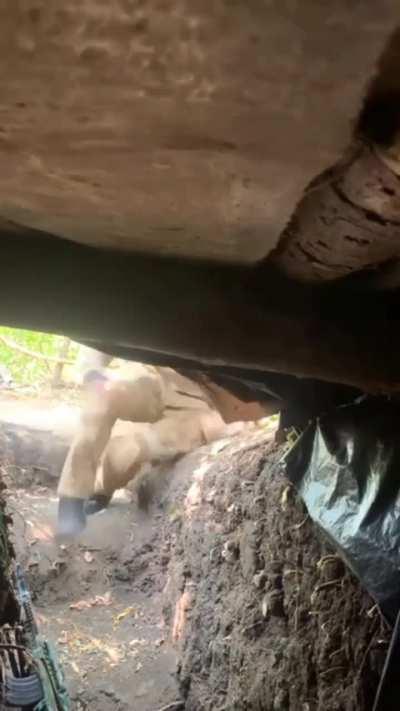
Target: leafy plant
x: 24, y: 368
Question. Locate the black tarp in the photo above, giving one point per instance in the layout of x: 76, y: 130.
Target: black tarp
x: 346, y: 467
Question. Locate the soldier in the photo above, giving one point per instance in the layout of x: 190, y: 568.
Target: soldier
x: 175, y: 413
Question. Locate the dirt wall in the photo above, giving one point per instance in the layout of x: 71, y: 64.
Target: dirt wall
x: 265, y: 615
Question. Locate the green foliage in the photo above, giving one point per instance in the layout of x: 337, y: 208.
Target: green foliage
x: 24, y: 369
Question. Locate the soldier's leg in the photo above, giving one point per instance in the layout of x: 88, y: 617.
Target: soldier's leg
x: 77, y: 481
x: 122, y: 459
x: 148, y: 444
x: 163, y: 441
x: 140, y: 399
x: 212, y: 425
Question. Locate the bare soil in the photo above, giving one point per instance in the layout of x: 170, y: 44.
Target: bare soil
x: 222, y: 597
x: 99, y: 600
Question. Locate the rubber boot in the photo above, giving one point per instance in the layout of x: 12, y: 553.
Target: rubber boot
x: 71, y: 517
x: 96, y: 503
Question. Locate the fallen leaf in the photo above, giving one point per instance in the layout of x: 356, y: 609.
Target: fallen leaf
x: 98, y: 601
x: 113, y: 654
x: 125, y: 613
x: 63, y: 638
x: 134, y: 642
x: 41, y: 533
x: 103, y: 599
x: 285, y: 497
x: 264, y: 606
x: 81, y: 605
x: 75, y: 667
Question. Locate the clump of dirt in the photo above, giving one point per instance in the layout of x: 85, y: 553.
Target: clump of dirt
x: 264, y: 613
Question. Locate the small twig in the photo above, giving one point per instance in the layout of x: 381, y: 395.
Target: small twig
x: 332, y: 669
x: 366, y: 654
x: 175, y: 706
x: 323, y: 586
x: 326, y: 559
x: 299, y: 525
x: 246, y: 629
x: 372, y: 610
x: 327, y: 585
x: 323, y: 627
x: 342, y: 649
x: 296, y: 617
x: 285, y: 496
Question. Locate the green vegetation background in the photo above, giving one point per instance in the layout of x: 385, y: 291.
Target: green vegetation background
x: 24, y: 369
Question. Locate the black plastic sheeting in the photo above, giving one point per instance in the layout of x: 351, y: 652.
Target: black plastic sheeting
x: 346, y: 467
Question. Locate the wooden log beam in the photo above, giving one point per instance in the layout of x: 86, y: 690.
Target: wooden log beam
x: 205, y: 315
x: 347, y: 223
x: 180, y: 127
x: 349, y: 218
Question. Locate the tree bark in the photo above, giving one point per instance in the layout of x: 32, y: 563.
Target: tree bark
x: 347, y: 223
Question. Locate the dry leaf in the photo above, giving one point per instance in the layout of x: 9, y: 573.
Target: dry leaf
x: 80, y: 605
x: 264, y: 606
x: 41, y: 533
x: 125, y: 613
x: 98, y: 601
x: 40, y: 618
x: 113, y: 654
x: 103, y: 599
